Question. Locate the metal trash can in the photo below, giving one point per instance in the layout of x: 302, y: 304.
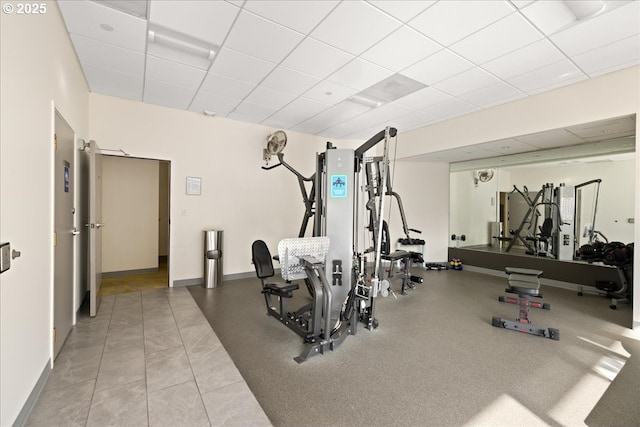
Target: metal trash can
x: 213, y: 240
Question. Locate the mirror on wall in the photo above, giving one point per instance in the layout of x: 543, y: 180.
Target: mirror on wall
x: 503, y: 201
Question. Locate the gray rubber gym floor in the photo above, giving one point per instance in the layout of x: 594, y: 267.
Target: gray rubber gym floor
x: 435, y: 359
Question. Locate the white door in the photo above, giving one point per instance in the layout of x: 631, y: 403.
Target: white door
x: 95, y: 227
x: 64, y: 232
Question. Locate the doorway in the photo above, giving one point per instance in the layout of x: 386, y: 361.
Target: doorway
x: 136, y: 202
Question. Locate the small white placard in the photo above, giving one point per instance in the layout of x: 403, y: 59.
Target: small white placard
x: 194, y: 185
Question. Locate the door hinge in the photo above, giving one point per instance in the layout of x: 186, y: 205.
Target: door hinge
x: 55, y: 336
x: 55, y: 141
x: 55, y: 239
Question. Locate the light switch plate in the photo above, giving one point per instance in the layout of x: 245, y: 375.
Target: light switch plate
x: 5, y: 259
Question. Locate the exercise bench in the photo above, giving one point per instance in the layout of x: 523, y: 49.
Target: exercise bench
x: 525, y: 283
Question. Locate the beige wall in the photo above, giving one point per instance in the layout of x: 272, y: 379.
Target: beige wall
x: 130, y: 201
x: 38, y: 69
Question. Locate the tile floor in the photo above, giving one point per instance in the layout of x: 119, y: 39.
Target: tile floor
x: 147, y: 359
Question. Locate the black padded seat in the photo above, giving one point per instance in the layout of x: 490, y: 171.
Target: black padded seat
x: 395, y: 255
x: 411, y: 241
x: 524, y: 280
x: 281, y: 289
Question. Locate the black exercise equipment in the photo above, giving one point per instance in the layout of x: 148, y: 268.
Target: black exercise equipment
x: 525, y: 283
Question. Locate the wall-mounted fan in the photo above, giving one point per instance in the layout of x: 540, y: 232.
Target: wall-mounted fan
x: 275, y: 144
x: 484, y: 175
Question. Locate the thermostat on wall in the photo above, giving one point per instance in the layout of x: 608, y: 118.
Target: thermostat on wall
x: 5, y: 259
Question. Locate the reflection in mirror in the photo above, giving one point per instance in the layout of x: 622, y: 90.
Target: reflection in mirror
x: 585, y: 191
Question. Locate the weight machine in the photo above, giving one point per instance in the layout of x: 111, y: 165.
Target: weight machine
x: 342, y: 291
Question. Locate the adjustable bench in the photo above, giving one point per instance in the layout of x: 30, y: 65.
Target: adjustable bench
x: 525, y: 283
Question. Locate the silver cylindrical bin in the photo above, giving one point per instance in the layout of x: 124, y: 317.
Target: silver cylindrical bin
x: 213, y: 240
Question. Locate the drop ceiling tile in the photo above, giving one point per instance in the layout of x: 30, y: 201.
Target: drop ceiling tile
x: 437, y: 67
x: 402, y: 10
x: 167, y: 95
x: 611, y: 57
x: 508, y: 34
x: 85, y: 18
x: 209, y: 21
x: 467, y: 81
x: 535, y: 55
x: 451, y: 107
x: 505, y: 147
x: 449, y: 21
x: 173, y: 73
x: 497, y: 93
x: 301, y: 16
x: 559, y: 73
x: 328, y: 118
x: 290, y: 81
x: 219, y: 104
x: 616, y: 127
x: 400, y: 49
x: 221, y: 85
x: 604, y: 29
x: 238, y: 66
x: 549, y: 16
x: 268, y: 97
x: 249, y: 112
x: 423, y: 98
x: 412, y: 120
x: 329, y: 93
x: 359, y: 74
x: 302, y: 109
x: 262, y: 38
x: 108, y: 56
x: 354, y: 26
x: 316, y: 59
x: 113, y: 83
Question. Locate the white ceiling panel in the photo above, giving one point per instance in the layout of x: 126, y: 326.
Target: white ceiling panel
x: 316, y: 58
x: 329, y: 93
x: 342, y: 31
x: 449, y: 21
x: 332, y: 116
x: 249, y: 112
x: 535, y: 55
x: 618, y: 127
x: 298, y: 111
x: 506, y: 147
x: 508, y: 34
x: 467, y: 81
x: 403, y: 10
x: 423, y: 98
x: 209, y: 21
x: 218, y: 104
x: 611, y: 57
x: 176, y: 74
x: 113, y: 83
x: 105, y: 24
x: 221, y: 85
x: 609, y: 27
x: 550, y: 75
x: 269, y: 97
x: 550, y: 139
x: 301, y: 16
x: 108, y: 56
x: 400, y: 49
x: 262, y: 38
x: 359, y: 74
x: 289, y: 81
x: 494, y: 94
x: 412, y: 120
x: 451, y: 107
x: 239, y: 66
x: 549, y: 16
x: 437, y: 67
x: 167, y: 95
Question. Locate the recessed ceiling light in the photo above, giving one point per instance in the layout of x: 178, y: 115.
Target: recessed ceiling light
x: 209, y: 113
x: 505, y: 147
x: 106, y: 27
x: 328, y: 93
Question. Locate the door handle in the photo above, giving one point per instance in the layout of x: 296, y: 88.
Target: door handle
x: 99, y: 225
x: 75, y: 231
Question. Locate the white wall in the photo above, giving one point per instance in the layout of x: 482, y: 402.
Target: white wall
x: 237, y: 196
x: 130, y: 201
x: 38, y: 67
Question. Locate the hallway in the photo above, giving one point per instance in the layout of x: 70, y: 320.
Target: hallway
x: 147, y: 359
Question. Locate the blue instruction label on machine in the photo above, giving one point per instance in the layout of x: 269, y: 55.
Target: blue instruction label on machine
x: 338, y: 185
